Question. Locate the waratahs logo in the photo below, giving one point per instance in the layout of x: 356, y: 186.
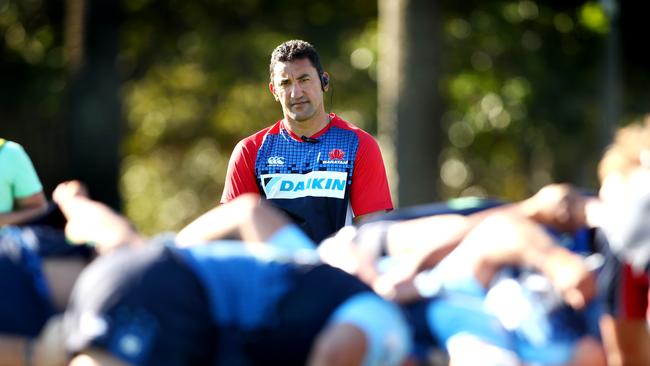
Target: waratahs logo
x: 336, y: 154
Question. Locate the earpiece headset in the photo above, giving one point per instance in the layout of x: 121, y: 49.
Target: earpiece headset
x: 324, y: 81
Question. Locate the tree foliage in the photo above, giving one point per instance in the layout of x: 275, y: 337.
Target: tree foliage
x: 522, y: 86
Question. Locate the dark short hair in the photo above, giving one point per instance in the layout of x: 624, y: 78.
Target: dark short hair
x: 292, y: 50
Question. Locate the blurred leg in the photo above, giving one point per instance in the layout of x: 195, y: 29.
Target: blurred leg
x: 95, y: 357
x: 589, y: 352
x: 340, y: 344
x: 626, y: 342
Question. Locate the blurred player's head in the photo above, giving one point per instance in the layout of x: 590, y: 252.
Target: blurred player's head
x: 624, y: 172
x: 629, y: 152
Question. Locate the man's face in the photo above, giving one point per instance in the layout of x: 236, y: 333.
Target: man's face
x: 298, y: 89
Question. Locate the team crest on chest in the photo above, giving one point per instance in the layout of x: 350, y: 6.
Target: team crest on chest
x: 336, y: 156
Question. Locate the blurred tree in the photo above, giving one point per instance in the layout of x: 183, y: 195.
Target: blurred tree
x: 93, y: 116
x: 521, y: 82
x: 635, y: 57
x: 409, y: 103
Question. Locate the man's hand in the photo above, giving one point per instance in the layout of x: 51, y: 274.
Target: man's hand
x: 69, y: 189
x: 91, y: 221
x: 571, y: 277
x: 343, y: 252
x: 397, y: 286
x: 560, y: 206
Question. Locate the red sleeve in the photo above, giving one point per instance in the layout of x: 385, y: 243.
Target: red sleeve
x: 369, y: 192
x: 634, y: 294
x: 240, y: 177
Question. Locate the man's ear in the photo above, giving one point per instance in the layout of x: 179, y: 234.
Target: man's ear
x: 325, y: 81
x: 272, y: 89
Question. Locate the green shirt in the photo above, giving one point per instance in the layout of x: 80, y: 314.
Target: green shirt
x: 18, y: 178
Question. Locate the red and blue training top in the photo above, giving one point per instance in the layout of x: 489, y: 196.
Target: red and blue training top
x: 320, y: 184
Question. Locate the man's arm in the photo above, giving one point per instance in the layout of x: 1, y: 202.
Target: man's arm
x: 91, y: 221
x: 360, y: 218
x: 46, y: 350
x: 560, y: 206
x: 26, y: 209
x: 557, y: 205
x: 13, y: 350
x: 240, y: 176
x: 511, y: 240
x: 244, y: 218
x: 369, y: 193
x: 96, y: 357
x: 27, y: 190
x: 422, y: 243
x: 339, y: 344
x: 507, y: 239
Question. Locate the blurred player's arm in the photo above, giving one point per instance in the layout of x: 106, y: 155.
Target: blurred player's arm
x: 427, y: 240
x: 512, y: 240
x: 340, y: 344
x: 244, y: 218
x: 508, y: 239
x: 422, y: 243
x: 25, y: 209
x: 46, y: 350
x: 96, y: 357
x: 562, y: 207
x: 91, y: 221
x: 14, y: 350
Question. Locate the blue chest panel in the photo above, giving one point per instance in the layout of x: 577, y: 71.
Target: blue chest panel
x: 309, y: 181
x: 335, y: 151
x: 243, y: 289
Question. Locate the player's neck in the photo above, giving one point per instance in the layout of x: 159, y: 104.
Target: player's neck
x: 308, y: 127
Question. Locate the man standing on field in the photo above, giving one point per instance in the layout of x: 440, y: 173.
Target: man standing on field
x: 324, y: 172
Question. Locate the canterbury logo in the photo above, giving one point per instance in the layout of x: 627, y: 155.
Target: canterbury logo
x: 313, y: 184
x: 275, y: 160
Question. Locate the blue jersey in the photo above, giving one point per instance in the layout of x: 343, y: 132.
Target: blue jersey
x: 321, y: 183
x: 216, y: 304
x: 253, y: 284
